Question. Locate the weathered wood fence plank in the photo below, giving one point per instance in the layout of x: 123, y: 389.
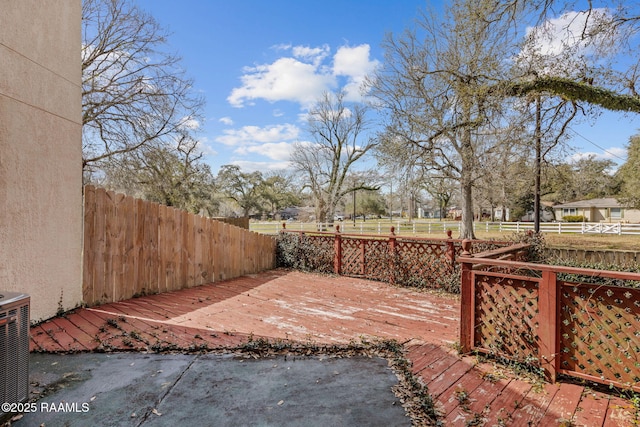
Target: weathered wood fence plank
x: 134, y: 247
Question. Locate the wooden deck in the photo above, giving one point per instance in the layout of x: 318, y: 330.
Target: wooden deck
x: 305, y: 307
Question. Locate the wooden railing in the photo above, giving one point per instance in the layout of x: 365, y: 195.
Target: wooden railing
x: 409, y: 261
x: 563, y: 320
x: 134, y: 247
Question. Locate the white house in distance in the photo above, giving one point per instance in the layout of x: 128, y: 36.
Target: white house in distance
x: 598, y: 210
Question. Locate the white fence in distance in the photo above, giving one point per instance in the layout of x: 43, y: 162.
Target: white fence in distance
x: 440, y: 228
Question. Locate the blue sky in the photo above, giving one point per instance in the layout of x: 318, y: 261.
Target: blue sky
x: 260, y: 64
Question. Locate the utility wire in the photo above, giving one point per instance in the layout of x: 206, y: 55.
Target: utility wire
x: 611, y: 153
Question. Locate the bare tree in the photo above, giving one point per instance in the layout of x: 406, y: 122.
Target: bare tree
x: 450, y: 85
x: 134, y: 93
x: 337, y: 131
x: 434, y: 88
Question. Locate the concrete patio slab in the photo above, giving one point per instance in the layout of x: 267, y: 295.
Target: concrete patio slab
x: 136, y: 389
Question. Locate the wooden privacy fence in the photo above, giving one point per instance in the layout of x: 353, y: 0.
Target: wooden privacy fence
x: 242, y: 222
x: 134, y: 247
x: 573, y: 321
x: 408, y: 261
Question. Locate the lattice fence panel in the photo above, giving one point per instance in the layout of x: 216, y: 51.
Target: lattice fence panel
x: 421, y: 264
x: 506, y: 308
x: 352, y: 257
x: 377, y: 260
x: 365, y: 258
x: 600, y: 332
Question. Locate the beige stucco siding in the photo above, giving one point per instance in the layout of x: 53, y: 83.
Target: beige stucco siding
x: 40, y: 153
x: 603, y: 215
x: 631, y: 215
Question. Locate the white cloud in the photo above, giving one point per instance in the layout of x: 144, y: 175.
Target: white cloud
x: 273, y: 150
x: 226, y: 121
x: 559, y: 46
x: 281, y: 46
x: 251, y: 166
x: 303, y: 76
x: 354, y: 63
x: 205, y: 147
x: 314, y: 54
x: 189, y: 124
x: 253, y: 135
x: 287, y: 79
x: 615, y: 154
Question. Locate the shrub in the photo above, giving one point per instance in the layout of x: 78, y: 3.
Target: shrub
x: 574, y: 218
x: 537, y: 242
x: 300, y: 252
x: 578, y: 278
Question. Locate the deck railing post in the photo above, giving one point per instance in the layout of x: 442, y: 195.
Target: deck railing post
x: 363, y: 260
x: 466, y: 300
x: 392, y: 256
x: 548, y: 328
x: 451, y: 250
x: 337, y: 251
x: 302, y: 258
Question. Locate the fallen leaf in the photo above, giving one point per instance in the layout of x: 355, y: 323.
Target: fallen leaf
x: 281, y: 403
x: 155, y: 411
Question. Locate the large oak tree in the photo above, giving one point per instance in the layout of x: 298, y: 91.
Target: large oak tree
x: 433, y: 88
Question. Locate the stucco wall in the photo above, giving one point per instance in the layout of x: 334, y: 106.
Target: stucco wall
x: 631, y: 215
x: 40, y: 153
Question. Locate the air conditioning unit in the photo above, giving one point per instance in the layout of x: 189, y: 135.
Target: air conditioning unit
x: 14, y: 348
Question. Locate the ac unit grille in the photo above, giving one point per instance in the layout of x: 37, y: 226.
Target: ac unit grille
x: 14, y: 348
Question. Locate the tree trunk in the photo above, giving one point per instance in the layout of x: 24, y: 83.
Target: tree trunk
x: 466, y: 182
x: 466, y: 228
x: 321, y: 212
x: 538, y: 173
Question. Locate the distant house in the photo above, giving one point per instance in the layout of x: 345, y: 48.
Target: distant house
x: 291, y: 212
x: 598, y: 210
